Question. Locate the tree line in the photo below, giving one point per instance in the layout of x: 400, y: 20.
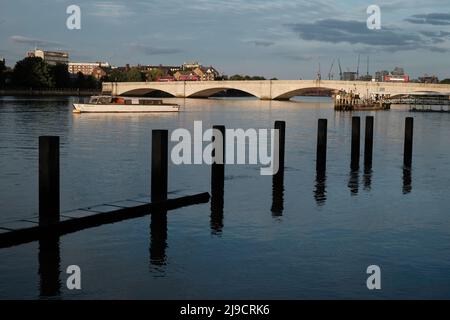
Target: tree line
x: 34, y: 72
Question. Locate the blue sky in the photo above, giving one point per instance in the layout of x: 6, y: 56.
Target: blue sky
x: 277, y: 38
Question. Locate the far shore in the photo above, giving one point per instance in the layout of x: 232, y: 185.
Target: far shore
x: 49, y: 92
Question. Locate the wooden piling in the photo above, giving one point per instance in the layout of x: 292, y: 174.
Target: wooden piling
x: 49, y: 193
x: 218, y: 156
x: 217, y: 182
x: 281, y: 127
x: 321, y: 156
x: 159, y: 165
x: 356, y: 136
x: 408, y: 145
x: 368, y: 144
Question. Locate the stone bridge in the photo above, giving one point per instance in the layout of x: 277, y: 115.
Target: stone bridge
x: 269, y: 89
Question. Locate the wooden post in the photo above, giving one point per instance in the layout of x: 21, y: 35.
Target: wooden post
x: 356, y: 134
x: 49, y: 197
x: 217, y: 182
x: 159, y: 165
x: 218, y: 165
x: 281, y: 127
x: 321, y: 157
x: 408, y: 146
x: 368, y: 145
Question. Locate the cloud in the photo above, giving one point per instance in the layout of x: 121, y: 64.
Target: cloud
x: 153, y: 51
x: 435, y: 19
x: 35, y: 42
x: 356, y: 32
x: 110, y: 10
x: 261, y: 43
x: 295, y: 57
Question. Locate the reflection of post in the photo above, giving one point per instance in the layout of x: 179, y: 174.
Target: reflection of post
x: 356, y: 132
x: 49, y: 266
x: 407, y: 180
x: 217, y: 179
x: 278, y: 178
x: 158, y: 239
x: 353, y: 182
x: 367, y: 178
x: 277, y: 195
x: 320, y: 190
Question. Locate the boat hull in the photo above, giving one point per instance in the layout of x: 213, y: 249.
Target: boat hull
x: 129, y: 108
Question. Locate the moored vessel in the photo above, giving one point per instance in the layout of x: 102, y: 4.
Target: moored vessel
x: 117, y: 104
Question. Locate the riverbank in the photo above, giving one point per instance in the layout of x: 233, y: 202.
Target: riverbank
x: 49, y: 92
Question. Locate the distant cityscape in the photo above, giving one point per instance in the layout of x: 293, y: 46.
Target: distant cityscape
x: 62, y: 72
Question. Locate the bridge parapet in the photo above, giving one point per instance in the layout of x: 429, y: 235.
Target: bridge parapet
x: 269, y: 89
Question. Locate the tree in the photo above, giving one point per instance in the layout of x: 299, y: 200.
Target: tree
x: 32, y: 72
x: 445, y: 81
x: 134, y: 75
x: 60, y: 75
x: 239, y: 77
x: 2, y: 73
x: 86, y: 82
x: 117, y: 76
x: 154, y: 75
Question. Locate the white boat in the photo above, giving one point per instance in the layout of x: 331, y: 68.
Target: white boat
x: 113, y: 104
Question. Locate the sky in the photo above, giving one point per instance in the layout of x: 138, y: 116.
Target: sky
x: 287, y: 39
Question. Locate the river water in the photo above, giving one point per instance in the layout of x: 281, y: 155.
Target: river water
x: 314, y: 239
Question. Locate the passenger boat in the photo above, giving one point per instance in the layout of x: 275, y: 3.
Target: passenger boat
x: 113, y: 104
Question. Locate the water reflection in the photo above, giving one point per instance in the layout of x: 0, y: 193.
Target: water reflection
x: 278, y: 195
x: 158, y: 238
x: 367, y: 178
x: 320, y: 192
x: 407, y: 180
x: 49, y: 266
x: 353, y: 182
x: 217, y: 203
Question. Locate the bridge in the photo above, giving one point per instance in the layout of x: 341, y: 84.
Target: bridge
x: 269, y: 89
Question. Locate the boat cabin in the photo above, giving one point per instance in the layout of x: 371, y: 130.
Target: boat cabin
x: 124, y: 100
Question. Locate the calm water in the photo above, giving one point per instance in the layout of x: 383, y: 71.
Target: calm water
x: 314, y: 240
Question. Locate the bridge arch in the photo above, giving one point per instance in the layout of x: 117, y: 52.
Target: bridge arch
x: 305, y: 91
x: 206, y: 93
x: 146, y: 91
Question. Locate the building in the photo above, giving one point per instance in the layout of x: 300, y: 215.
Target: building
x: 2, y: 60
x: 186, y: 76
x: 398, y: 78
x: 190, y: 65
x: 206, y: 74
x: 428, y: 79
x: 349, y: 76
x: 397, y: 75
x: 379, y: 75
x: 51, y: 57
x: 86, y: 68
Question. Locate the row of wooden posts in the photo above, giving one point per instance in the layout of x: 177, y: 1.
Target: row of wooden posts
x: 49, y: 181
x: 355, y: 144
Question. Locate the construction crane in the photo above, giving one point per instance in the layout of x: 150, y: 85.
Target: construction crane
x: 319, y: 75
x: 368, y: 65
x: 340, y: 69
x: 330, y: 75
x: 357, y: 69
